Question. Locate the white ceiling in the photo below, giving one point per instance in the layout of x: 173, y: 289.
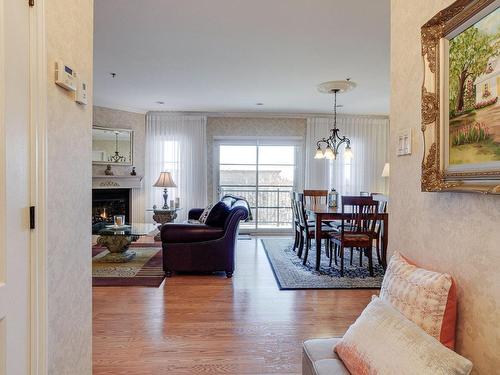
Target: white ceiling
x: 228, y: 55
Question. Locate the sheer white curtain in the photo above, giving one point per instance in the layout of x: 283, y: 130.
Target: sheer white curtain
x: 369, y: 137
x: 176, y: 143
x: 318, y: 172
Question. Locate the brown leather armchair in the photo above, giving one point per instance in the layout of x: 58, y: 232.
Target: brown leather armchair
x: 200, y: 247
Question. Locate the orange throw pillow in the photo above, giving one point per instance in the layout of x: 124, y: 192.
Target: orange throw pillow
x: 425, y: 297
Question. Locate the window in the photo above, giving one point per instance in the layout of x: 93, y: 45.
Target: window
x: 264, y: 174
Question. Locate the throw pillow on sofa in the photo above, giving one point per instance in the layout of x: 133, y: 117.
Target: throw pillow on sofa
x: 384, y: 341
x: 425, y: 297
x: 204, y: 215
x: 218, y: 215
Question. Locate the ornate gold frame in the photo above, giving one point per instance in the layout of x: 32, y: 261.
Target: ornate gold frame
x: 434, y: 176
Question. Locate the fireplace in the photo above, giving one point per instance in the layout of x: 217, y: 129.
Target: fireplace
x: 109, y: 202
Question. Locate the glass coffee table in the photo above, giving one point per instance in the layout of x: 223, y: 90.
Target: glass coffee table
x: 117, y: 239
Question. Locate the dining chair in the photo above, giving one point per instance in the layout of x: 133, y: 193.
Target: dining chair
x: 348, y: 224
x: 382, y: 200
x: 316, y: 196
x: 357, y: 231
x: 308, y: 228
x: 295, y: 221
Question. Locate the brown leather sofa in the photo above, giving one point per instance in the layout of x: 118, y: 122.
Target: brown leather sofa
x: 196, y: 247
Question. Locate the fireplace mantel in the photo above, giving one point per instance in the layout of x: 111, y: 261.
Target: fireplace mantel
x: 116, y: 182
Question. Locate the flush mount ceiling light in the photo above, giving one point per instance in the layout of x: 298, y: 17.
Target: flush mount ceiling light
x: 160, y: 102
x: 259, y: 103
x: 333, y: 142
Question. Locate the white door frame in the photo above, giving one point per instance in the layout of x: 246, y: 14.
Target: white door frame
x: 38, y: 90
x: 38, y: 159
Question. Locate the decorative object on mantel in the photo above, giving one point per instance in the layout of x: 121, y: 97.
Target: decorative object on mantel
x: 123, y: 182
x: 165, y: 181
x: 461, y: 145
x: 108, y: 171
x: 333, y: 142
x: 133, y: 172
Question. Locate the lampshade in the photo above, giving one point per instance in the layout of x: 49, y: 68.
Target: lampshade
x: 329, y: 154
x: 385, y: 171
x: 319, y: 154
x: 348, y: 153
x: 165, y: 180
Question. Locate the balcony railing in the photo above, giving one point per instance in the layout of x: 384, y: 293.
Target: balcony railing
x: 270, y: 204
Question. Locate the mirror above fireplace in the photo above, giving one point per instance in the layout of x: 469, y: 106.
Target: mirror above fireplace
x: 112, y: 146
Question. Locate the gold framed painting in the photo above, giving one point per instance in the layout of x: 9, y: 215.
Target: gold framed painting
x: 460, y: 98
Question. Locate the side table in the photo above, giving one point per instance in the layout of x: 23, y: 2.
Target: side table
x: 162, y: 216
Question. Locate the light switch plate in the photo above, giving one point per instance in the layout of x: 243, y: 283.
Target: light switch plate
x: 404, y: 142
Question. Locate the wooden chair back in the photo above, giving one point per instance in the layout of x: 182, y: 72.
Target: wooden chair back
x: 359, y: 215
x: 301, y: 211
x: 382, y: 200
x: 294, y: 208
x: 316, y: 196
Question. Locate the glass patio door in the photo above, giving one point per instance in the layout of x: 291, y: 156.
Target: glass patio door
x: 264, y: 174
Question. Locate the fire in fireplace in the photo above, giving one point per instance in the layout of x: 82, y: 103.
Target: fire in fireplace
x: 109, y: 202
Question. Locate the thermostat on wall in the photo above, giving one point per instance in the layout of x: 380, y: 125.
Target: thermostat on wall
x: 65, y: 76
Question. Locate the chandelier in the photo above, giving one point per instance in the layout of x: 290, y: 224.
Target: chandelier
x: 333, y: 142
x: 117, y: 158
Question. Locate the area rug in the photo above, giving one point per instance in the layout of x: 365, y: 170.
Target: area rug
x: 144, y: 270
x: 291, y: 274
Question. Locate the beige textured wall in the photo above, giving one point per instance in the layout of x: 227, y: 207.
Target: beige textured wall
x: 256, y: 126
x: 69, y: 37
x: 456, y: 233
x: 114, y: 118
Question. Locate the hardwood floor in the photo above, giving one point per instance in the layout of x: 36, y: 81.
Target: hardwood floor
x: 213, y: 325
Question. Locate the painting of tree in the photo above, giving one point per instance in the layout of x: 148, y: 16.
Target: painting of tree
x: 473, y: 89
x: 470, y: 51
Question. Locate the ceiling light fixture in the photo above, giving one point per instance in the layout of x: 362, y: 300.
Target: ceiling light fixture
x: 259, y: 103
x: 160, y: 102
x: 333, y: 142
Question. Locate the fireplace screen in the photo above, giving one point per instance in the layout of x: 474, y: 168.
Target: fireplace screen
x: 109, y: 202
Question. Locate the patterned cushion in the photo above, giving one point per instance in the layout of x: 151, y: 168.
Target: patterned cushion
x: 204, y: 215
x: 382, y: 341
x: 425, y: 297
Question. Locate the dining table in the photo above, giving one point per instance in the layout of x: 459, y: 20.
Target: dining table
x: 323, y: 212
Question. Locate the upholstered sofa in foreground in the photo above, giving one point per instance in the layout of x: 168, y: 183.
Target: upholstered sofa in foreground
x: 408, y: 329
x: 318, y: 358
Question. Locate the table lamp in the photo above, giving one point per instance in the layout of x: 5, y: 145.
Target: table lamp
x: 385, y: 171
x: 165, y: 181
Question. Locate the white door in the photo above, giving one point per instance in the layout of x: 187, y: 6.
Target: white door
x: 264, y: 172
x: 14, y: 187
